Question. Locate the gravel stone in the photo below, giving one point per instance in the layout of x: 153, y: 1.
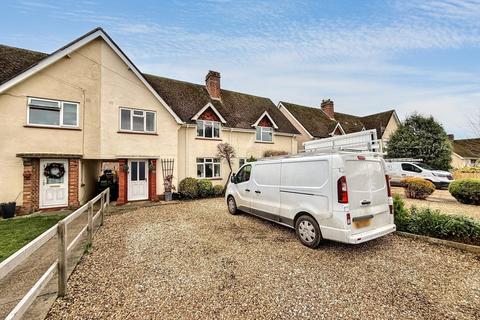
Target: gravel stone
x: 193, y: 260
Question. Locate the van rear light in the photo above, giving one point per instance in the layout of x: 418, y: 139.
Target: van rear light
x: 389, y: 194
x: 361, y: 157
x: 349, y: 219
x: 342, y: 190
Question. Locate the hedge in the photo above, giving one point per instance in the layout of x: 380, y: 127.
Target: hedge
x: 466, y: 190
x: 205, y: 188
x: 218, y: 190
x: 435, y: 224
x: 188, y: 188
x: 417, y: 188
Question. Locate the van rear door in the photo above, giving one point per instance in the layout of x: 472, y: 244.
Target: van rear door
x: 367, y: 193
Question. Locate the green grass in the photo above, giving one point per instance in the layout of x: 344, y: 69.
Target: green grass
x: 15, y: 233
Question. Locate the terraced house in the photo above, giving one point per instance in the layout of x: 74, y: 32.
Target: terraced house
x: 67, y: 113
x: 324, y: 122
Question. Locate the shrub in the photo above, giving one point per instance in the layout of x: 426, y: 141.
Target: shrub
x: 398, y: 204
x: 188, y: 188
x: 418, y: 188
x: 205, y: 188
x: 274, y: 153
x: 469, y: 169
x: 218, y: 190
x: 466, y: 190
x: 432, y: 223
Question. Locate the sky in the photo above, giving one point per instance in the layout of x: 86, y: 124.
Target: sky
x: 367, y: 56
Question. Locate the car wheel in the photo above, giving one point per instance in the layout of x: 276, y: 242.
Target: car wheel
x: 308, y: 231
x: 232, y: 205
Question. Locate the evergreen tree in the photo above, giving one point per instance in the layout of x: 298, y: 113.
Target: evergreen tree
x: 424, y: 138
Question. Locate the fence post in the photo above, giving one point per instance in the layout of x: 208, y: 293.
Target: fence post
x: 62, y: 259
x: 102, y: 205
x: 90, y: 223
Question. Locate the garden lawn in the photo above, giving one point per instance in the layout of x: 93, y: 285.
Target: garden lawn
x: 15, y: 233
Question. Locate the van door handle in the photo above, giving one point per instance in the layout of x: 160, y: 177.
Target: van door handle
x: 366, y: 202
x: 247, y: 190
x: 258, y: 191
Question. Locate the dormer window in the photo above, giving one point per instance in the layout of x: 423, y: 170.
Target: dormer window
x: 208, y: 129
x: 264, y: 134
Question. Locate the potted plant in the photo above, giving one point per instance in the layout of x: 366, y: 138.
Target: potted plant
x: 7, y: 209
x: 169, y: 187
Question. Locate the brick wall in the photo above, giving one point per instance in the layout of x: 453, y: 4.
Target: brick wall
x: 31, y: 185
x: 209, y: 115
x: 265, y: 122
x: 122, y: 181
x: 152, y: 181
x: 73, y: 176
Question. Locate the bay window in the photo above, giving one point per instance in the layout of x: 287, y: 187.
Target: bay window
x: 208, y: 129
x: 208, y: 168
x: 264, y: 134
x: 136, y: 120
x: 52, y: 113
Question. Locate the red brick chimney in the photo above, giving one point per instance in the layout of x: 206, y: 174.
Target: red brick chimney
x: 327, y: 107
x: 212, y: 82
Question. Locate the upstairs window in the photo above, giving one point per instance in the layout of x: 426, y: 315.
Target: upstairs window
x: 208, y: 168
x: 208, y: 129
x: 264, y: 134
x: 136, y: 120
x: 52, y: 113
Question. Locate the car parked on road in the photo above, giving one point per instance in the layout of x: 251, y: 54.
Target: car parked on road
x: 342, y: 196
x: 399, y: 170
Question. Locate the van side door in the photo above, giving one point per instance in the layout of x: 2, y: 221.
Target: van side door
x: 244, y: 189
x: 410, y: 170
x: 266, y: 190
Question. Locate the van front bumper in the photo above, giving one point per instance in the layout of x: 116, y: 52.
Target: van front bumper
x: 372, y: 234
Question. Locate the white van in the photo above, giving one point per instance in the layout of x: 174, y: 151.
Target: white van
x: 341, y: 196
x: 398, y: 170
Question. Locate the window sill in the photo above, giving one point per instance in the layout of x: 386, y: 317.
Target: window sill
x: 216, y: 178
x: 138, y: 132
x: 267, y: 142
x: 208, y: 139
x: 51, y: 127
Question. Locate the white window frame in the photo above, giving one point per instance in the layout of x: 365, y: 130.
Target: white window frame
x: 60, y: 103
x: 203, y: 122
x: 144, y: 115
x: 212, y: 161
x: 262, y: 129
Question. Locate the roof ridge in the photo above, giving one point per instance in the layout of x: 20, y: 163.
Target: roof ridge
x: 464, y: 139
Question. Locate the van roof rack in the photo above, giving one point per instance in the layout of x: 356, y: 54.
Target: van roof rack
x: 403, y: 159
x: 365, y: 140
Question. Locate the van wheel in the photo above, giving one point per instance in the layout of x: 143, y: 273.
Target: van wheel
x: 308, y: 231
x: 232, y: 205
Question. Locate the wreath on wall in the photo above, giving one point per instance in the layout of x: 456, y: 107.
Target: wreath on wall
x: 54, y: 170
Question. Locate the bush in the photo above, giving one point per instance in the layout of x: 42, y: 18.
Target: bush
x: 432, y: 223
x: 205, y: 188
x: 218, y: 190
x: 418, y: 188
x: 469, y: 169
x: 188, y: 188
x: 466, y: 190
x: 274, y: 153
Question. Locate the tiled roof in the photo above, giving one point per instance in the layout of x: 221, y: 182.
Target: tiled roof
x: 467, y: 148
x: 320, y: 126
x: 14, y: 61
x: 240, y: 110
x: 313, y: 119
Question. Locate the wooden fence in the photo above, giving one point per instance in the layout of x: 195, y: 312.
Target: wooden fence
x: 466, y: 175
x: 64, y: 249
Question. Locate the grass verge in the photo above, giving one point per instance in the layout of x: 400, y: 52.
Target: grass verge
x: 15, y: 233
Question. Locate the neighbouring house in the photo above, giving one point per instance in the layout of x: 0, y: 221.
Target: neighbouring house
x: 70, y: 113
x: 317, y: 123
x: 465, y: 152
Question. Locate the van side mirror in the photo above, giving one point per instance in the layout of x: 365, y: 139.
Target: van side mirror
x: 233, y: 179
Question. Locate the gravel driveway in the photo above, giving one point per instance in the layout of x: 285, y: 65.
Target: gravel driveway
x: 194, y: 261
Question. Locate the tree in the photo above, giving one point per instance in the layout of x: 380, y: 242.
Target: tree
x: 475, y: 122
x: 421, y: 137
x: 226, y: 152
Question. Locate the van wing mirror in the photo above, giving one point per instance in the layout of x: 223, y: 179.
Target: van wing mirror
x: 233, y: 178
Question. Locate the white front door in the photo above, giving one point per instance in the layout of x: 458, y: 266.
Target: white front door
x: 53, y: 183
x: 137, y: 180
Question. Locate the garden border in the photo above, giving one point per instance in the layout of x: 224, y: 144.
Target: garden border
x: 452, y: 244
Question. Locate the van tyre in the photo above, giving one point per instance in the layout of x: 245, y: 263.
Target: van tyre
x: 232, y: 205
x: 308, y: 231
